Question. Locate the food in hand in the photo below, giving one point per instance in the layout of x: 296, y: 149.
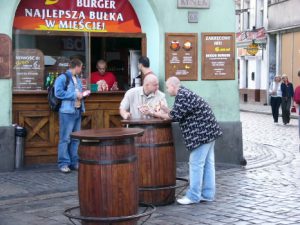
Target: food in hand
x: 86, y: 93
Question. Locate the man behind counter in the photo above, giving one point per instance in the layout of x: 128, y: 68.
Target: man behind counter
x: 106, y: 81
x: 144, y: 66
x: 139, y: 99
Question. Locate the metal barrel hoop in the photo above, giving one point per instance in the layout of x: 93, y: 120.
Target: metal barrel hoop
x: 183, y: 186
x: 145, y: 213
x: 167, y: 187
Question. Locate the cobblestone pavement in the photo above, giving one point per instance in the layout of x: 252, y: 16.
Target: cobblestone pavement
x: 265, y: 192
x: 262, y: 109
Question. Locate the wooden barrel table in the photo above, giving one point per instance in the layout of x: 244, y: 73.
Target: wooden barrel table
x: 108, y: 174
x: 156, y: 160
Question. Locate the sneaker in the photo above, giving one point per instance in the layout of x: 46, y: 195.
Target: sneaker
x: 74, y: 167
x: 65, y: 169
x: 185, y: 201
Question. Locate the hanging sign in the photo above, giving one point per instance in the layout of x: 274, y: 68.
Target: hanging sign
x: 252, y: 49
x: 117, y: 16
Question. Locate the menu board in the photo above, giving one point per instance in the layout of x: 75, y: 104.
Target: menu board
x: 28, y: 70
x: 5, y: 56
x: 181, y: 56
x: 218, y: 56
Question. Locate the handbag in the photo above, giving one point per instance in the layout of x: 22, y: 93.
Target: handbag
x: 293, y: 109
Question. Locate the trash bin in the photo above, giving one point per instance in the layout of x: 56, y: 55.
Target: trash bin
x: 20, y: 144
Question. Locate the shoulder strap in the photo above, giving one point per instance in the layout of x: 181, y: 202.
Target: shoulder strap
x: 67, y: 81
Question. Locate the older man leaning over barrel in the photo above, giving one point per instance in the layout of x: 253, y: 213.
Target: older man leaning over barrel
x: 200, y: 129
x: 143, y: 99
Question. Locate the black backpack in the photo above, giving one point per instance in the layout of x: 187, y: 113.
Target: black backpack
x: 54, y: 102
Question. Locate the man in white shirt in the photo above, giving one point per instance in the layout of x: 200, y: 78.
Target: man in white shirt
x: 140, y: 99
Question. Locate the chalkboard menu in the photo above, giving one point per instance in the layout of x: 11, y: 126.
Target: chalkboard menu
x: 28, y: 70
x: 181, y: 56
x: 5, y: 56
x: 218, y: 56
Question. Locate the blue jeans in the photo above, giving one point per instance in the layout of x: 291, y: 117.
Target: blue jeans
x: 202, y: 173
x: 68, y: 147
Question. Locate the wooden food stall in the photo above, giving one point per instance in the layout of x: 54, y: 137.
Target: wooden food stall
x: 42, y: 52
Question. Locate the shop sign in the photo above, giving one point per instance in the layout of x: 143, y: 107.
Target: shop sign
x: 252, y: 49
x: 193, y: 4
x: 247, y: 36
x: 117, y: 16
x: 218, y: 56
x: 28, y: 68
x: 182, y: 56
x: 5, y: 56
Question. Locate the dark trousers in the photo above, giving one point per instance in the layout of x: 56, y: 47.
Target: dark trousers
x: 275, y: 104
x: 286, y: 109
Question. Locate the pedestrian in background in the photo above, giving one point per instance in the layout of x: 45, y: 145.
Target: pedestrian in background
x: 276, y: 97
x: 297, y: 101
x: 200, y: 129
x: 287, y: 90
x: 72, y: 106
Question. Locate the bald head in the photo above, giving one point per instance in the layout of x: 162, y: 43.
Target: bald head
x: 101, y: 66
x: 173, y: 84
x: 150, y: 79
x: 174, y: 81
x: 151, y: 84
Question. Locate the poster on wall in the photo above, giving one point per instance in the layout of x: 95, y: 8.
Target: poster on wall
x: 28, y: 70
x: 78, y: 15
x: 5, y: 56
x: 218, y: 56
x: 181, y: 56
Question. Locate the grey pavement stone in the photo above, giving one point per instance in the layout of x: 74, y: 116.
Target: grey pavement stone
x: 266, y: 191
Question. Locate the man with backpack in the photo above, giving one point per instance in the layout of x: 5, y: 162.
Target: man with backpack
x: 297, y: 100
x: 68, y: 89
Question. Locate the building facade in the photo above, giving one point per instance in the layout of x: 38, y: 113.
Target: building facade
x: 284, y: 33
x: 252, y: 50
x: 143, y: 26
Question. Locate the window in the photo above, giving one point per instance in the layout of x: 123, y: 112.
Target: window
x: 40, y: 58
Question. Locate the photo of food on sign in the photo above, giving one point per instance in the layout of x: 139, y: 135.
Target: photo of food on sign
x: 175, y: 45
x: 187, y: 46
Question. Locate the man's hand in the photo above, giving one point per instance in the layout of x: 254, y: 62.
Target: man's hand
x: 127, y: 116
x: 164, y: 108
x: 145, y: 110
x: 79, y: 95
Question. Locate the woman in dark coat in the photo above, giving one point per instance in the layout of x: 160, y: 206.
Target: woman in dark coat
x: 287, y: 97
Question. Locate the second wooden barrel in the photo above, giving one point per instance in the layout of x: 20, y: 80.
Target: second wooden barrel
x: 156, y: 160
x: 108, y: 174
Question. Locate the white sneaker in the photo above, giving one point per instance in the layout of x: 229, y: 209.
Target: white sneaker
x: 65, y: 169
x: 185, y: 201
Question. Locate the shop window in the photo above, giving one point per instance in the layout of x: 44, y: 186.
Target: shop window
x: 38, y: 59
